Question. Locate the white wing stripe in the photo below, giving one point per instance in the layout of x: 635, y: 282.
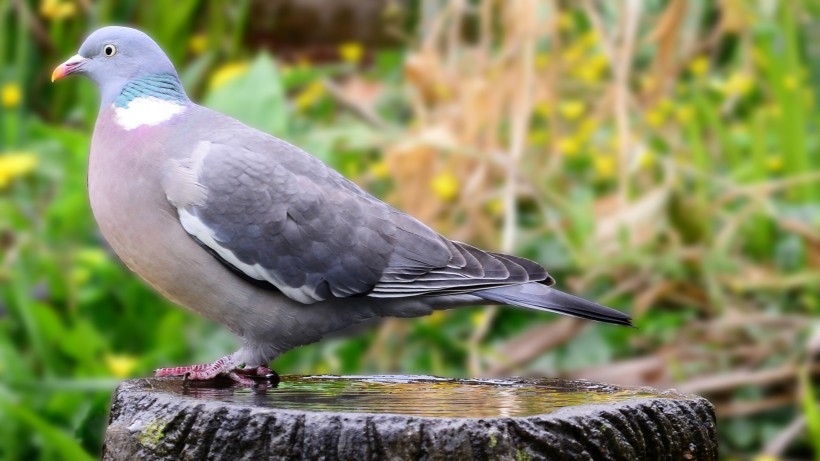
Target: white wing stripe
x: 194, y: 226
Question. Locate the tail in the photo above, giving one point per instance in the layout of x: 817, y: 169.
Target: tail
x: 541, y: 297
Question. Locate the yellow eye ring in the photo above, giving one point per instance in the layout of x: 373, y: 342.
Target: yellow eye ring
x: 109, y: 50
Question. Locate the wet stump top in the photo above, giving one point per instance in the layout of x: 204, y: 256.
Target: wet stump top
x: 406, y: 417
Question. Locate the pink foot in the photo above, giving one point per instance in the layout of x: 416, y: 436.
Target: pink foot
x: 224, y: 366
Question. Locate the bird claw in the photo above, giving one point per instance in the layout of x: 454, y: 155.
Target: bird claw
x: 261, y: 372
x: 252, y: 376
x: 234, y: 375
x: 222, y: 367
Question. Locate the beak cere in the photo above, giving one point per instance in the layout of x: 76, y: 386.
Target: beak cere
x: 69, y: 67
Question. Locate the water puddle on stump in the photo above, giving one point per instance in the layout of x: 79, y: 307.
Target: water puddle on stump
x: 410, y: 395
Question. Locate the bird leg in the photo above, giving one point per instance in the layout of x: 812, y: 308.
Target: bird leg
x: 224, y: 366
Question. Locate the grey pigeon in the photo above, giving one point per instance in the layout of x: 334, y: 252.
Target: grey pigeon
x: 254, y: 233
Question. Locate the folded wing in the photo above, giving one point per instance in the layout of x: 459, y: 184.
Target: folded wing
x: 278, y: 215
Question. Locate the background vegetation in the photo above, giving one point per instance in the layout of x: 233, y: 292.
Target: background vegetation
x: 659, y: 156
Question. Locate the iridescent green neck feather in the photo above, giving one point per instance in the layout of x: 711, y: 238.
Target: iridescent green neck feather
x: 161, y: 86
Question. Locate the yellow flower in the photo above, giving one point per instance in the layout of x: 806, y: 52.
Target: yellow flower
x: 765, y: 458
x: 380, y: 169
x: 14, y: 164
x: 699, y: 66
x: 605, y: 165
x: 739, y: 84
x: 571, y: 110
x: 303, y: 63
x: 436, y: 318
x: 542, y: 60
x: 495, y: 207
x: 566, y: 21
x: 772, y: 111
x: 79, y: 275
x: 666, y: 106
x: 592, y: 70
x: 646, y: 158
x: 478, y: 317
x: 542, y: 109
x: 198, y: 43
x: 573, y: 54
x: 445, y: 186
x: 648, y: 83
x: 120, y: 366
x: 350, y: 169
x: 600, y: 61
x: 93, y: 257
x: 11, y: 95
x: 442, y: 91
x: 774, y: 163
x: 615, y: 142
x: 586, y: 129
x: 684, y: 114
x: 790, y: 82
x: 590, y: 38
x: 569, y: 146
x: 351, y: 52
x: 655, y: 117
x: 322, y: 368
x: 538, y: 137
x: 57, y: 9
x: 760, y: 58
x: 226, y: 73
x: 310, y: 95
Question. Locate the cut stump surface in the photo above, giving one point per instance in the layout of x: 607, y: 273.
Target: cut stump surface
x: 404, y: 418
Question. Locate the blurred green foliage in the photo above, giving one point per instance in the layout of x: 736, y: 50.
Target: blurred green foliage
x: 737, y: 127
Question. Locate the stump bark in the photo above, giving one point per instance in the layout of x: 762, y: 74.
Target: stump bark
x: 403, y: 418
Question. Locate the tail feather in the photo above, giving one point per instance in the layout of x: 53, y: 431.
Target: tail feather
x: 541, y: 297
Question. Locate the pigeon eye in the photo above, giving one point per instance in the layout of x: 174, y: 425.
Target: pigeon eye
x: 109, y: 50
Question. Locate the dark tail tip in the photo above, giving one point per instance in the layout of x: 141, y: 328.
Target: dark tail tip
x: 541, y: 297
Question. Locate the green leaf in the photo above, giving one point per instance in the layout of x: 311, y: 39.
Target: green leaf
x: 255, y: 97
x: 83, y: 342
x: 57, y: 440
x: 811, y: 411
x: 326, y: 141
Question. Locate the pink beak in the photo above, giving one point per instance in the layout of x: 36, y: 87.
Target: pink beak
x: 68, y: 67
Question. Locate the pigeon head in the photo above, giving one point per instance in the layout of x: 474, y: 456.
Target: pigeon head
x: 115, y: 56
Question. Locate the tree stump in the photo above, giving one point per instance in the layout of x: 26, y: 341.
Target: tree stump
x: 406, y: 417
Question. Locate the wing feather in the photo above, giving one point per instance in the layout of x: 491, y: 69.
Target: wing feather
x: 277, y: 215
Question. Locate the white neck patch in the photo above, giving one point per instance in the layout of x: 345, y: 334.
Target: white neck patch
x: 147, y: 110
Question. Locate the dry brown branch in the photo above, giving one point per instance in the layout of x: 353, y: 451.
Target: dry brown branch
x: 779, y: 444
x: 621, y: 49
x: 666, y: 34
x: 800, y: 228
x: 740, y: 378
x: 638, y: 219
x: 751, y: 281
x: 521, y: 113
x: 37, y: 29
x: 364, y: 112
x: 652, y: 370
x: 735, y: 320
x: 750, y: 407
x: 533, y: 342
x: 391, y: 329
x: 734, y: 191
x: 649, y: 296
x: 522, y: 46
